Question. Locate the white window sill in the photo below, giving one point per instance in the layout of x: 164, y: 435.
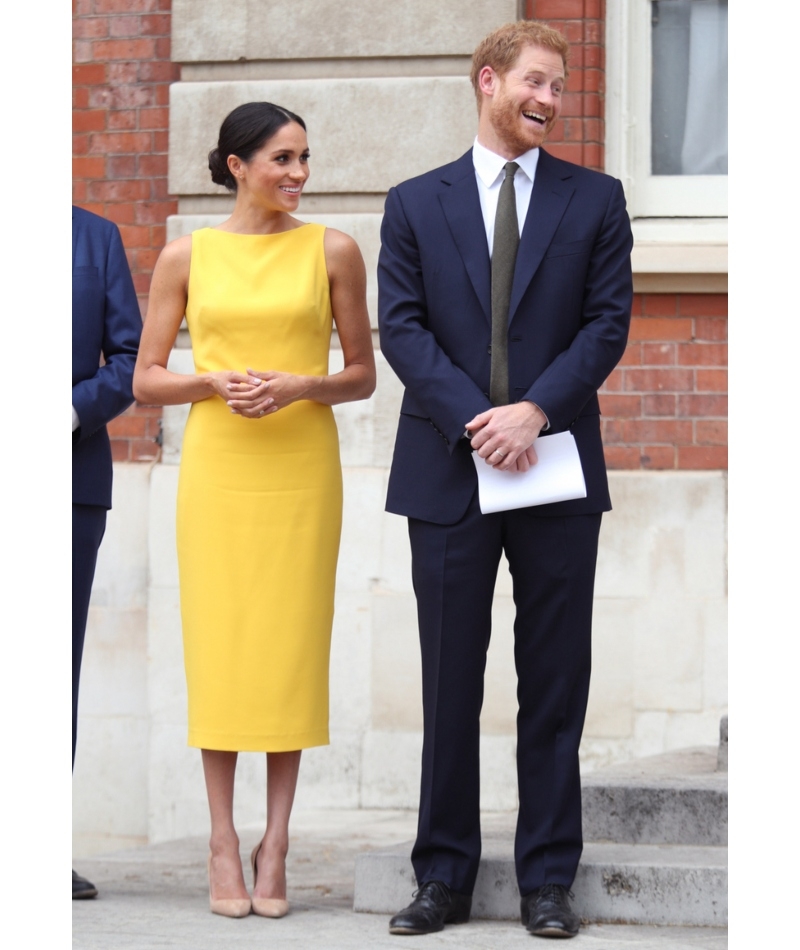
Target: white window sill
x: 673, y: 255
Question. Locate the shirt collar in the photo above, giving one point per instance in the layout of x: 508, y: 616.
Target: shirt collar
x: 489, y: 165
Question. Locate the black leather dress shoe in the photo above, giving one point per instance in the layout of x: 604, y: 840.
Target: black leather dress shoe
x: 81, y: 888
x: 545, y: 912
x: 434, y: 905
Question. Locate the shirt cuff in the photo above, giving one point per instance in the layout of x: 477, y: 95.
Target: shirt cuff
x: 75, y: 420
x: 468, y: 435
x: 546, y: 425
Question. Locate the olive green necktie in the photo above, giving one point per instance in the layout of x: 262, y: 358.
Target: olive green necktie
x: 504, y: 256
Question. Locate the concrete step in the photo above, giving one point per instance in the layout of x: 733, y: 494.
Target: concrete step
x: 656, y: 884
x: 674, y: 798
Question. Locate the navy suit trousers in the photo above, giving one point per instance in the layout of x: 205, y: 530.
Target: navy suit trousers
x: 88, y: 527
x: 454, y: 568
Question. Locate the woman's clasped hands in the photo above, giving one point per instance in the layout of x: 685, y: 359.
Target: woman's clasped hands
x: 259, y: 393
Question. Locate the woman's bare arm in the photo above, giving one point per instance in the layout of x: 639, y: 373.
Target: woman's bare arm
x: 153, y: 383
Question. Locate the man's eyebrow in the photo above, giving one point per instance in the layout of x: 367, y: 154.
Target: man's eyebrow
x: 543, y: 72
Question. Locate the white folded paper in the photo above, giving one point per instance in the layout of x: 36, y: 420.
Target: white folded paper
x: 557, y: 476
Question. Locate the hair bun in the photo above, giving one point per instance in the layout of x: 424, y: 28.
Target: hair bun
x: 220, y: 173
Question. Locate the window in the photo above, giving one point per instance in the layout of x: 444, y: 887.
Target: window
x: 667, y: 105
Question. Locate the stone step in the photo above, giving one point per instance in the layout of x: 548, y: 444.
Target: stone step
x: 674, y: 798
x: 655, y: 884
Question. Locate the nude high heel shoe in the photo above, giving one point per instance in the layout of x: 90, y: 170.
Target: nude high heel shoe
x: 266, y: 906
x: 227, y: 906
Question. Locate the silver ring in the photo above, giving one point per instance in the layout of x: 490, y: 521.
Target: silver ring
x: 261, y: 412
x: 498, y: 452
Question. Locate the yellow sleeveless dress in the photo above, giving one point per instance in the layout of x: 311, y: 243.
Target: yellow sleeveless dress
x: 259, y: 500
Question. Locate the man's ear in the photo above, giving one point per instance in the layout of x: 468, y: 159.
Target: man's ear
x: 487, y: 81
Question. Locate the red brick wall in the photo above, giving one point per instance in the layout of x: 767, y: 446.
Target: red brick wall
x: 120, y: 116
x: 579, y: 133
x: 666, y: 405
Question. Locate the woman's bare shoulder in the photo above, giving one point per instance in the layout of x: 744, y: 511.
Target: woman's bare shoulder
x: 340, y: 248
x: 177, y: 251
x: 174, y: 259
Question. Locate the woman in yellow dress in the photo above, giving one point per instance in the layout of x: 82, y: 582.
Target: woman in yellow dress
x: 260, y: 487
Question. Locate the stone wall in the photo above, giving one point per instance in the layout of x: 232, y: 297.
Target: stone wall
x: 383, y: 100
x: 659, y: 679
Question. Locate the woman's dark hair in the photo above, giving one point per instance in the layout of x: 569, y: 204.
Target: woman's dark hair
x: 242, y: 133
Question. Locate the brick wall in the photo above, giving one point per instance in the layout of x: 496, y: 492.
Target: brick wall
x: 665, y: 406
x: 579, y: 133
x: 121, y: 77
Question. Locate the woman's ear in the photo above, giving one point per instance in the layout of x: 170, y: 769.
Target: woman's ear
x: 236, y: 167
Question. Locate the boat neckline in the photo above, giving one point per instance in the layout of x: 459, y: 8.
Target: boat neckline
x: 258, y: 234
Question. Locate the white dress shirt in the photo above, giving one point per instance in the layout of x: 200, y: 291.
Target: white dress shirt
x: 489, y: 174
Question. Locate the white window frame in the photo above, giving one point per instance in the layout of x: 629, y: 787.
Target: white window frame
x: 628, y: 136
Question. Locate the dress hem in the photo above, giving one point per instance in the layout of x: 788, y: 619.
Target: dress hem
x: 292, y: 743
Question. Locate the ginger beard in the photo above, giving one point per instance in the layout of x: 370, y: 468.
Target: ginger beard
x: 519, y: 132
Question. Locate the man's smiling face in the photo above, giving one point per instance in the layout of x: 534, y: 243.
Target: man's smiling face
x: 521, y: 107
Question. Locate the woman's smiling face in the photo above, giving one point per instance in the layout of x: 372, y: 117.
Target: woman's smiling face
x: 276, y: 174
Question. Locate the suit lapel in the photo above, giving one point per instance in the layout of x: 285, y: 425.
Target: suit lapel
x: 462, y: 209
x: 552, y: 191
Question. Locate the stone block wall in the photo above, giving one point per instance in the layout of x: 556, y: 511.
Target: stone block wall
x: 384, y: 92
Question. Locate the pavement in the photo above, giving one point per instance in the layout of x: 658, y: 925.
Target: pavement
x: 157, y: 896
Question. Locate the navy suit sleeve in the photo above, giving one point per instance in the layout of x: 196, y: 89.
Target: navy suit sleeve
x: 575, y: 375
x: 109, y: 391
x: 446, y: 393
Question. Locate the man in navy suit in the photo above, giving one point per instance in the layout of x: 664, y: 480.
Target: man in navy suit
x: 106, y: 325
x: 560, y: 327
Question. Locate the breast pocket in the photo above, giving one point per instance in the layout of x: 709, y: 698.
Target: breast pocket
x: 569, y: 249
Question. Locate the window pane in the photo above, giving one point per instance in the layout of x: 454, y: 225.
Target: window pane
x: 689, y: 115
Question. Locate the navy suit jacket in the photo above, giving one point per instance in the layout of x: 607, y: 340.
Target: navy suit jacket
x: 568, y: 323
x: 105, y: 323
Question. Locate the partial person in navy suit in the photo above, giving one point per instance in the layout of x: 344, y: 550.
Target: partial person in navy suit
x: 106, y: 325
x: 558, y: 296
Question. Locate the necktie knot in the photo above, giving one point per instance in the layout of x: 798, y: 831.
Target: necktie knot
x: 510, y: 169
